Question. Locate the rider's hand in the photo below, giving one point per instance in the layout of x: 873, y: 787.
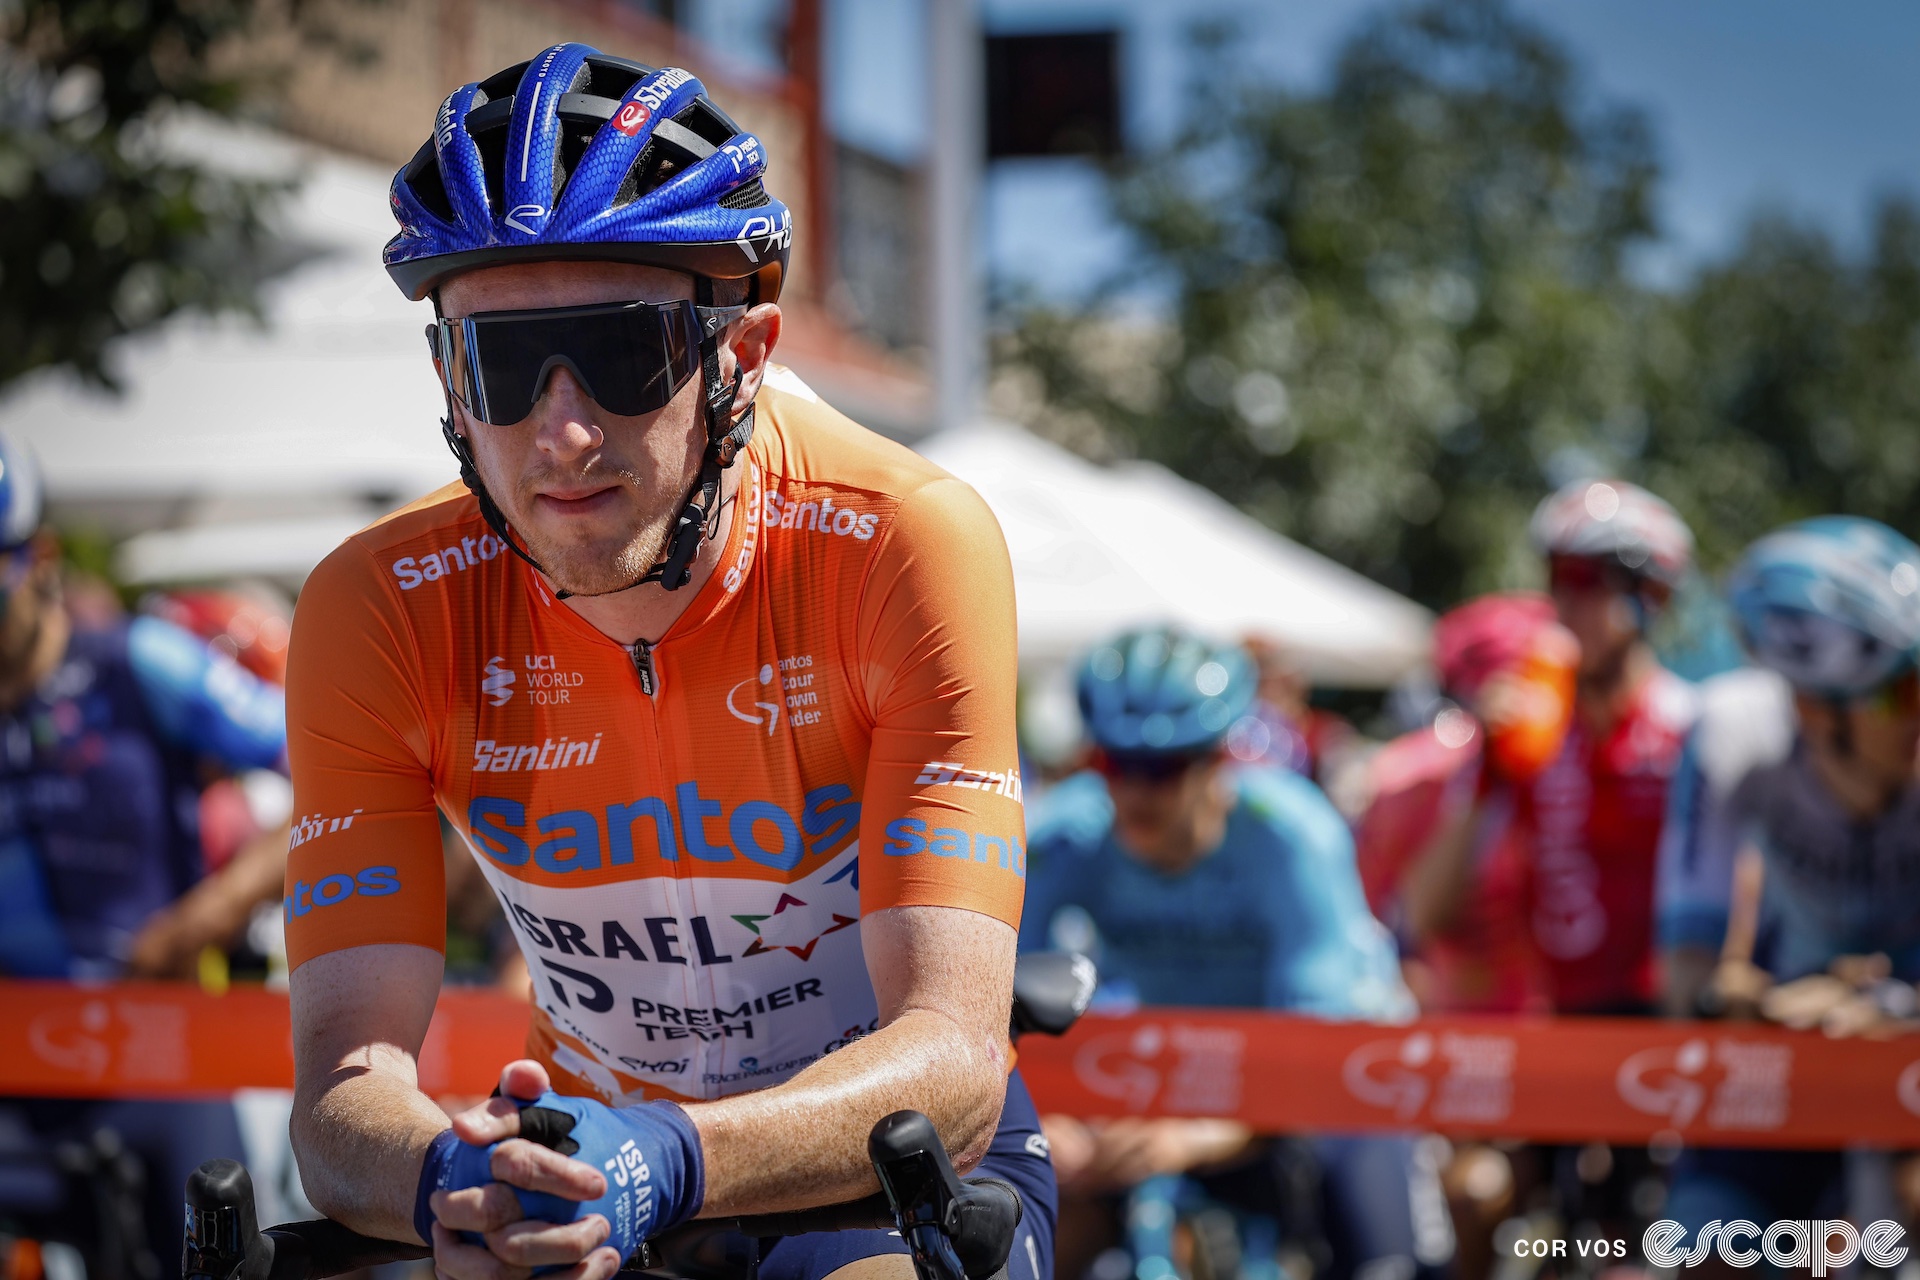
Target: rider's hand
x: 649, y: 1155
x: 476, y: 1228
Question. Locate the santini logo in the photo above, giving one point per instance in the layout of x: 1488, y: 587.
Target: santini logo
x: 939, y: 773
x: 505, y: 757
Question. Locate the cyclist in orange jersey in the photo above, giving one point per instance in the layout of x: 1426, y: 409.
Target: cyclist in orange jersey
x: 718, y: 687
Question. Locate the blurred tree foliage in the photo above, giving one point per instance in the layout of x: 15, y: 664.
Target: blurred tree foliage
x: 1402, y: 308
x: 103, y: 229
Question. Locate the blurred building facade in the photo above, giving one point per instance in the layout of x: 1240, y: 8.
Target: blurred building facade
x: 854, y: 296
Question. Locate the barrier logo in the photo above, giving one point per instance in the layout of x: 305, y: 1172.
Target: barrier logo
x: 1453, y: 1076
x: 1728, y: 1084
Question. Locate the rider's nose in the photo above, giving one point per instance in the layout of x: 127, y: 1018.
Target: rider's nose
x: 564, y: 416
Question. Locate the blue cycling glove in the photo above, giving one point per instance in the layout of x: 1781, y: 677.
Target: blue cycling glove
x: 649, y: 1153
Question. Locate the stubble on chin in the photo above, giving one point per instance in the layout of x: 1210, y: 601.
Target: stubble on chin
x: 593, y: 566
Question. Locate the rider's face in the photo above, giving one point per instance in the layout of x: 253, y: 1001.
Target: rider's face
x: 1595, y: 602
x: 1154, y: 814
x: 593, y: 494
x: 1886, y: 731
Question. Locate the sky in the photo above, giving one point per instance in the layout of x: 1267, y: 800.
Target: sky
x: 1809, y: 109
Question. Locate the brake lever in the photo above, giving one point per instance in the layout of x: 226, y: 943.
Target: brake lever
x: 223, y: 1239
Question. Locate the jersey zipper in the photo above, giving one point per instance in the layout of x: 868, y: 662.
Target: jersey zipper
x: 643, y: 665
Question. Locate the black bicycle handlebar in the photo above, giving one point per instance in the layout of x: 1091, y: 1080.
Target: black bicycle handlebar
x: 956, y: 1230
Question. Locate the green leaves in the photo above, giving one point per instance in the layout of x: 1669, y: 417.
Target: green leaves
x: 1401, y: 311
x: 102, y: 232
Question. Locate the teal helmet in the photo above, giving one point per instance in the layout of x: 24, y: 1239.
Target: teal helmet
x: 1831, y: 603
x: 1163, y: 692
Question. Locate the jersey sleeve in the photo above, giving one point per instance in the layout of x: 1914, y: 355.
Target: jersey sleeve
x: 941, y: 822
x: 1339, y: 961
x: 366, y: 864
x: 204, y: 702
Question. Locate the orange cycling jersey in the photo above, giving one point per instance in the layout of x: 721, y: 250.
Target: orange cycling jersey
x: 684, y: 835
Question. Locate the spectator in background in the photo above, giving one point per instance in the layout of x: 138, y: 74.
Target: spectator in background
x: 1807, y: 866
x: 1440, y: 856
x: 1193, y: 882
x: 1591, y: 819
x: 104, y: 734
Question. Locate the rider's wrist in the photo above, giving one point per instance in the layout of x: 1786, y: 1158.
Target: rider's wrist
x: 696, y: 1156
x: 434, y: 1171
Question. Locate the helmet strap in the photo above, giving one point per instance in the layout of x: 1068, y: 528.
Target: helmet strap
x: 699, y: 516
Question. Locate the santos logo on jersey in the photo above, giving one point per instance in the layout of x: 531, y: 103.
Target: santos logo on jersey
x: 784, y: 512
x: 585, y: 839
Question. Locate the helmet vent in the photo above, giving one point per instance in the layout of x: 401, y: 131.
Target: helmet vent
x: 422, y: 176
x: 653, y: 166
x: 750, y: 196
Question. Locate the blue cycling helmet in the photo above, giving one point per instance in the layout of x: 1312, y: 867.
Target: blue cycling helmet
x: 1832, y: 604
x: 1163, y: 692
x: 575, y: 154
x: 23, y: 497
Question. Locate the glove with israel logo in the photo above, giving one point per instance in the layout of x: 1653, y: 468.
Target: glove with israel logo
x: 650, y: 1155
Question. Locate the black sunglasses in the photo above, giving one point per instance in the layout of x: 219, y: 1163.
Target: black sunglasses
x: 630, y: 357
x: 1147, y: 767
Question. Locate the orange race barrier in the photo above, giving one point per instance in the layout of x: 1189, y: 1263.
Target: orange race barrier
x: 1713, y: 1084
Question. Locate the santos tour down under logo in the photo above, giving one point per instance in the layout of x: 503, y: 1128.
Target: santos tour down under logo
x: 767, y: 713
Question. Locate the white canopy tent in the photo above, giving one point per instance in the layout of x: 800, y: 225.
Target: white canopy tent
x: 1097, y: 549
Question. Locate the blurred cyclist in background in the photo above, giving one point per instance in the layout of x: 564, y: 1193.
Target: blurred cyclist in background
x: 1809, y: 865
x: 1193, y: 882
x: 1444, y: 863
x: 106, y: 733
x: 1439, y: 854
x: 1593, y: 816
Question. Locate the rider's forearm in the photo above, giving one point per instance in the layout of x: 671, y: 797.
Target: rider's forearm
x: 360, y: 1137
x: 361, y: 1126
x: 804, y: 1143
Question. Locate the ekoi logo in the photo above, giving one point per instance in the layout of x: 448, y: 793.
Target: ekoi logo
x: 515, y: 218
x: 767, y: 713
x: 497, y: 684
x: 632, y: 117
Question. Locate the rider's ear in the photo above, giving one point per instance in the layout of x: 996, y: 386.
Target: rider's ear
x: 751, y: 344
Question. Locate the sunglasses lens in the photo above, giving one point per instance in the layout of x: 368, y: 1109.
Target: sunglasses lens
x: 631, y: 358
x: 1574, y: 574
x: 1901, y: 695
x: 1145, y: 768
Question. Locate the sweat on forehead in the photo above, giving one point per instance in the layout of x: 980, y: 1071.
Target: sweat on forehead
x: 523, y: 286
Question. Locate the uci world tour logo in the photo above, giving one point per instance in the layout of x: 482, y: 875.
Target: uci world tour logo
x: 497, y: 684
